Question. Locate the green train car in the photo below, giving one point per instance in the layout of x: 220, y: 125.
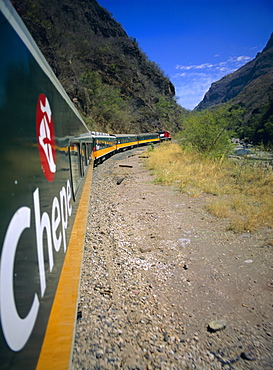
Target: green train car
x: 105, y: 146
x: 126, y: 141
x: 144, y: 139
x: 46, y: 163
x: 47, y: 158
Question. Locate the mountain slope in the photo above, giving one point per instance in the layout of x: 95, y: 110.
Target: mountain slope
x: 249, y: 89
x: 110, y: 80
x: 251, y: 75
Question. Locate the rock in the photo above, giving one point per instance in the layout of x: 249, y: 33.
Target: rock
x: 79, y: 315
x: 99, y: 353
x: 245, y: 235
x: 228, y: 355
x: 248, y: 354
x: 210, y: 356
x: 166, y: 336
x: 119, y: 181
x: 217, y: 325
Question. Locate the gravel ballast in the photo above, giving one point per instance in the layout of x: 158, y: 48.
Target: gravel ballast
x: 158, y: 272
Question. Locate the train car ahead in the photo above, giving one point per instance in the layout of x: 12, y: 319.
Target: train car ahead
x: 144, y: 139
x: 105, y: 146
x: 126, y: 141
x: 46, y: 156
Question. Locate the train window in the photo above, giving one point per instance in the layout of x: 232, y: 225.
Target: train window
x: 86, y: 155
x: 84, y: 162
x: 89, y: 151
x: 75, y: 169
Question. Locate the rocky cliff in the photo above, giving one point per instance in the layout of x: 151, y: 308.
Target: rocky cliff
x: 254, y: 78
x: 111, y: 81
x: 250, y: 90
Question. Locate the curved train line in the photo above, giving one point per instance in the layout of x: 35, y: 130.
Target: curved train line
x: 47, y: 157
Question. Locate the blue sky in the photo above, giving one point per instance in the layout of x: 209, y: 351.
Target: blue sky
x: 195, y: 42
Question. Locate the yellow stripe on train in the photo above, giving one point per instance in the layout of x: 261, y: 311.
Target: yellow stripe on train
x: 125, y: 145
x: 102, y: 152
x: 149, y: 141
x: 57, y: 346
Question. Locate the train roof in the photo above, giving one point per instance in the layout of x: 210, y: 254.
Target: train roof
x: 101, y: 134
x: 126, y: 135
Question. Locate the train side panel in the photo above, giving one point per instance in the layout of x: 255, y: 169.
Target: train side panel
x: 42, y: 138
x: 144, y: 139
x: 105, y: 145
x: 126, y: 141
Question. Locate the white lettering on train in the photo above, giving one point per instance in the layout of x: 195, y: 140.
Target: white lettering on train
x: 17, y: 330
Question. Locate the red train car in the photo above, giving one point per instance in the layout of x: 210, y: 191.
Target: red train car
x: 164, y: 135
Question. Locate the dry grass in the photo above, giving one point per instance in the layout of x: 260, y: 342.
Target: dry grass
x: 243, y: 191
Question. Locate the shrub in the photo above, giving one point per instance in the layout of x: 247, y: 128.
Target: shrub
x: 206, y: 132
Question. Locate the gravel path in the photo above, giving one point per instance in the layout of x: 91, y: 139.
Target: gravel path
x: 157, y: 269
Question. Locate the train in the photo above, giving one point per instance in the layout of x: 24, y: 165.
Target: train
x: 47, y: 159
x: 106, y: 145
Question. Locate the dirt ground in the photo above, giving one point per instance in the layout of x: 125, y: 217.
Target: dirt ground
x: 158, y: 269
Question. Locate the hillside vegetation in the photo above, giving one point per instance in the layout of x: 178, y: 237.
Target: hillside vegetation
x: 110, y: 80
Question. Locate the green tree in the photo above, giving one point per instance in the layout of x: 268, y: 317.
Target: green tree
x: 106, y: 106
x: 207, y: 132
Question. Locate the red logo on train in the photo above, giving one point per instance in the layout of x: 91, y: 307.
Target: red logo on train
x: 46, y: 137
